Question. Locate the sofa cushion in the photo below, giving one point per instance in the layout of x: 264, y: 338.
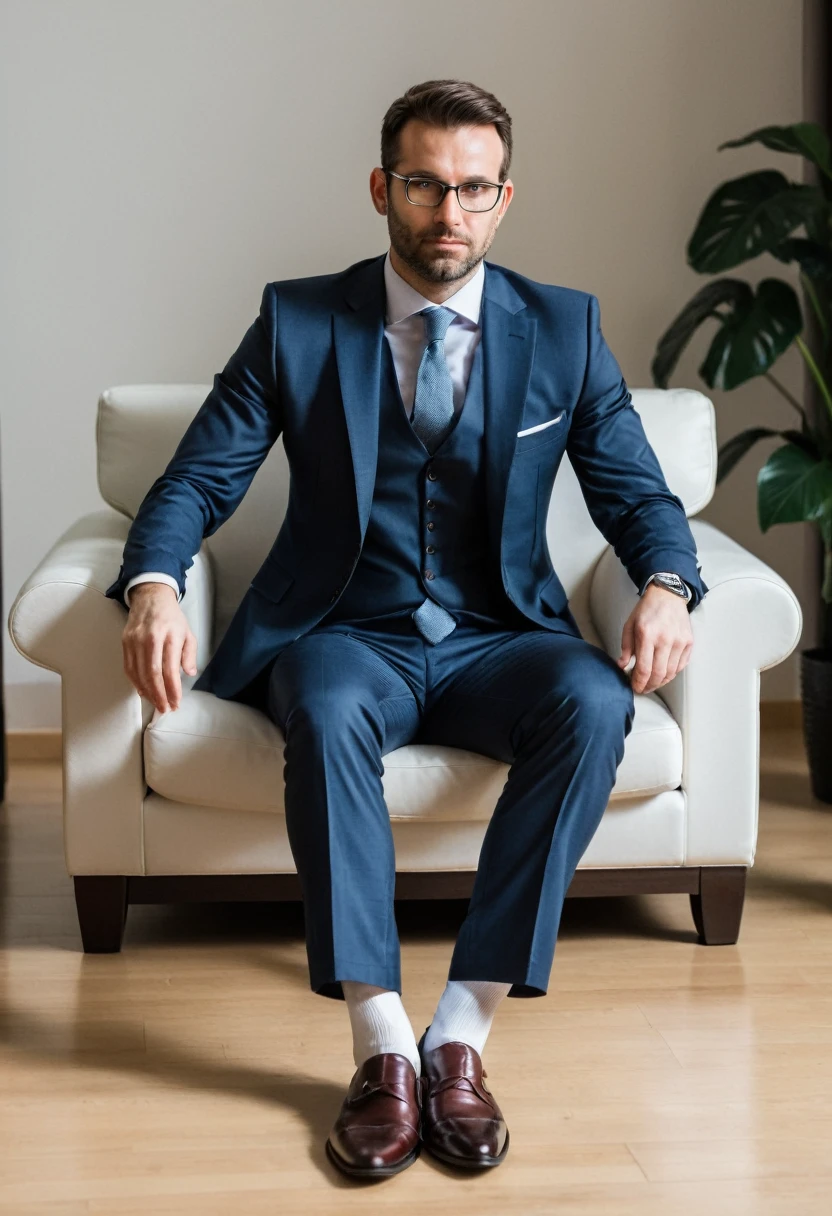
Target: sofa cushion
x: 221, y: 753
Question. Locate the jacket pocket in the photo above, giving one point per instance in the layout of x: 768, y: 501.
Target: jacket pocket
x: 552, y: 595
x: 545, y: 432
x: 541, y: 426
x: 272, y: 580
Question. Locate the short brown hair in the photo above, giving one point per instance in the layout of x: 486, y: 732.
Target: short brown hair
x: 448, y: 104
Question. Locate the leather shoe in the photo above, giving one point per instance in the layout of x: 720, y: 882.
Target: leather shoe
x: 377, y: 1132
x: 461, y: 1122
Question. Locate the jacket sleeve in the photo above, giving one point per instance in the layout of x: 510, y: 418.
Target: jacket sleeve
x: 214, y: 462
x: 621, y: 479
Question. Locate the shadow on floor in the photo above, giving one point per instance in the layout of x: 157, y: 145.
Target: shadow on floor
x: 773, y: 884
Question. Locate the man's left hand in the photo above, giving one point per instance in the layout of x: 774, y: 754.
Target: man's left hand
x: 658, y: 632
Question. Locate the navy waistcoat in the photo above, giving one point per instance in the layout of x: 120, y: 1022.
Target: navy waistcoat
x: 404, y: 559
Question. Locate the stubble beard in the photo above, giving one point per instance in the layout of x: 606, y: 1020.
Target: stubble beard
x: 446, y: 268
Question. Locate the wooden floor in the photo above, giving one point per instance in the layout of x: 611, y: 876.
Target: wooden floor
x: 196, y: 1072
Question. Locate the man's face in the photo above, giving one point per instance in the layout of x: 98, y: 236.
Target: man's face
x: 462, y: 155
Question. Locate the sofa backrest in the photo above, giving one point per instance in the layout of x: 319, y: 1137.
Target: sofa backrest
x: 139, y: 426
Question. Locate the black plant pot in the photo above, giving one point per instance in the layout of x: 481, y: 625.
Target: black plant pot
x: 816, y: 693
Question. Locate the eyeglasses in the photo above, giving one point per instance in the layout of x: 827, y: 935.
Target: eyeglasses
x: 471, y: 196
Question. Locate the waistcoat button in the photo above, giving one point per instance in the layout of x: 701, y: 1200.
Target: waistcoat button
x: 431, y: 476
x: 430, y: 504
x: 430, y: 548
x: 428, y: 574
x: 431, y: 526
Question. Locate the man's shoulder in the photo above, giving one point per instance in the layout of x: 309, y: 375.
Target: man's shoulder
x: 542, y: 296
x: 320, y: 286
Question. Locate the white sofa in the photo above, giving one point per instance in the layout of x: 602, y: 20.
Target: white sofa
x: 189, y: 805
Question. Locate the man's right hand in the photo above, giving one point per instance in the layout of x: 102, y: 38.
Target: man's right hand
x: 156, y: 641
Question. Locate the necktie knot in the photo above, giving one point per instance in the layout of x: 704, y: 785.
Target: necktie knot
x: 437, y: 321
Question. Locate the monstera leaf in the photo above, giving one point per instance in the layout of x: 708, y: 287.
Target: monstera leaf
x: 807, y: 139
x: 792, y: 487
x: 756, y: 329
x: 812, y: 258
x: 735, y: 448
x: 749, y: 216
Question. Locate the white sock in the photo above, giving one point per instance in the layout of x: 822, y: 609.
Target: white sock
x: 464, y: 1013
x: 379, y: 1023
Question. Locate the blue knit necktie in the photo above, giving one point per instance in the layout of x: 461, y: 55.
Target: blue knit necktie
x: 432, y: 418
x: 433, y: 404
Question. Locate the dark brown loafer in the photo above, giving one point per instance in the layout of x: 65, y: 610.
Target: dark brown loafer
x: 377, y: 1132
x: 461, y: 1122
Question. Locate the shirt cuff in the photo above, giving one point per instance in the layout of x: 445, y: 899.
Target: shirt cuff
x: 152, y: 576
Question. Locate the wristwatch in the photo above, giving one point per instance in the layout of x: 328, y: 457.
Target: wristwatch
x: 673, y: 582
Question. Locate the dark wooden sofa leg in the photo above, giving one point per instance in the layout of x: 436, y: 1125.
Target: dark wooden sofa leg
x: 101, y: 901
x: 717, y: 908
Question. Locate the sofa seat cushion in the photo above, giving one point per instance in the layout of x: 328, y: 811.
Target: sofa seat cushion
x: 221, y: 753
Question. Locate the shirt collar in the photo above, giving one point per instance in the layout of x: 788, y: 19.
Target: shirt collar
x: 403, y: 300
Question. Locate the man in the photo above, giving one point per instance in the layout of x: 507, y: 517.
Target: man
x: 425, y: 398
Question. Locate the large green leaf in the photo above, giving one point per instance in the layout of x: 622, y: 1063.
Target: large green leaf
x: 813, y: 259
x: 754, y: 337
x: 792, y: 487
x: 755, y: 330
x: 733, y: 450
x: 748, y: 216
x: 819, y: 227
x: 807, y: 139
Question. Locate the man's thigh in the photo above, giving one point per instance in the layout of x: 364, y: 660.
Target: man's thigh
x: 499, y: 698
x: 329, y: 676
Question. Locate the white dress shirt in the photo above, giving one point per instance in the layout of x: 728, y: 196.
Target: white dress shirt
x: 405, y: 333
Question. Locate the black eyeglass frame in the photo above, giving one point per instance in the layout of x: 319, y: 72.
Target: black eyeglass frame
x: 423, y: 177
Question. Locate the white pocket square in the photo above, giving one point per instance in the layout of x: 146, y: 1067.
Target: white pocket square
x: 540, y: 426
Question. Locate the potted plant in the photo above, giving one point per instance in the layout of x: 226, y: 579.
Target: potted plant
x: 749, y: 215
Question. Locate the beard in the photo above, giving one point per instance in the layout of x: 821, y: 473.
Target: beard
x: 441, y: 267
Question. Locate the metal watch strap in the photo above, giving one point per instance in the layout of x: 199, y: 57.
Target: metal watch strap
x: 673, y: 582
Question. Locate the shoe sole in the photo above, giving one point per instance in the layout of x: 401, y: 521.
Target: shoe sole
x: 469, y: 1163
x: 357, y: 1171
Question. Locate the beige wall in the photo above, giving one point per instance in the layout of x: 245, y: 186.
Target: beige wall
x: 167, y: 158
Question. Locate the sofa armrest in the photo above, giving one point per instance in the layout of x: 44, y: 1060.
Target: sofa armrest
x: 749, y: 620
x: 62, y: 620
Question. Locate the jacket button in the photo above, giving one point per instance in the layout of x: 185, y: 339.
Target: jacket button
x: 428, y: 574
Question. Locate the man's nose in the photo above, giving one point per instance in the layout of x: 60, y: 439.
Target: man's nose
x: 449, y: 210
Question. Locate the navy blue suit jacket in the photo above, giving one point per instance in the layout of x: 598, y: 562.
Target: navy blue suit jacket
x: 309, y: 368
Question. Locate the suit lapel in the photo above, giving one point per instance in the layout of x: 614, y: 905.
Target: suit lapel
x: 508, y: 338
x: 358, y: 335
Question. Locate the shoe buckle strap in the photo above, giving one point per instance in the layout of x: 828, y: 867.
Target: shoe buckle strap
x: 368, y: 1091
x: 459, y: 1083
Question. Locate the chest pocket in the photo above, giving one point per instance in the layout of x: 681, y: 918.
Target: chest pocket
x: 549, y: 431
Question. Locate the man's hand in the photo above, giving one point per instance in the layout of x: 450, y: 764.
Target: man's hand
x: 659, y: 634
x: 156, y: 641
